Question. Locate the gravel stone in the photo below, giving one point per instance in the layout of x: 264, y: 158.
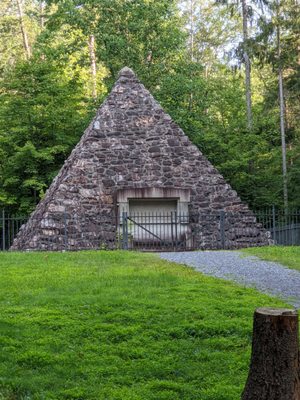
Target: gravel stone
x: 268, y: 277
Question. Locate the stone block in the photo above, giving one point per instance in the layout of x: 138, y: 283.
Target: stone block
x: 133, y: 144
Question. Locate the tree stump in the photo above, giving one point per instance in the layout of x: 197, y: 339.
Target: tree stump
x: 275, y: 361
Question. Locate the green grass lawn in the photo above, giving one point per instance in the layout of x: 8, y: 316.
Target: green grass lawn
x: 286, y: 255
x: 120, y: 326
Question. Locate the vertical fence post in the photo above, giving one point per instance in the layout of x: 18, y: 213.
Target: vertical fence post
x: 274, y: 222
x: 125, y: 231
x: 176, y: 229
x: 65, y: 231
x: 222, y: 228
x: 172, y: 230
x: 3, y: 229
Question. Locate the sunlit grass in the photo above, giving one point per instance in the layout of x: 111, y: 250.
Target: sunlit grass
x: 286, y: 255
x: 120, y: 326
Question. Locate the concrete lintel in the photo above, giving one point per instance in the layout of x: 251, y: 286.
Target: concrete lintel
x: 183, y: 195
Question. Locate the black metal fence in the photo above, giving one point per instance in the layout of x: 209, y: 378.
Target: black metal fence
x: 180, y: 232
x: 284, y: 226
x: 155, y: 231
x: 9, y: 227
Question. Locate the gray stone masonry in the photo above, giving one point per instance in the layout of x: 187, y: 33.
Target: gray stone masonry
x: 132, y: 143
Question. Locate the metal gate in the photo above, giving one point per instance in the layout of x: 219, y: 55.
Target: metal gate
x: 156, y: 231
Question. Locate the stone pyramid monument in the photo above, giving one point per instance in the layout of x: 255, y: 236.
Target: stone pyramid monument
x: 133, y: 157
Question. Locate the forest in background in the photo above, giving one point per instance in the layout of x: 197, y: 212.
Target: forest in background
x: 227, y: 71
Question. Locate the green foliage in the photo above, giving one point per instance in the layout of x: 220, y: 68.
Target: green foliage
x: 46, y: 102
x: 119, y: 325
x: 43, y: 113
x: 282, y: 18
x: 183, y: 55
x: 11, y: 45
x: 144, y: 35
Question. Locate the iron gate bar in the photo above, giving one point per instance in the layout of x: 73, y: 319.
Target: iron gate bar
x: 147, y: 230
x: 124, y: 231
x: 274, y: 223
x: 176, y: 230
x: 3, y: 230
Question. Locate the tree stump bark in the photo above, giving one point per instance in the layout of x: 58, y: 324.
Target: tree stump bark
x: 275, y: 361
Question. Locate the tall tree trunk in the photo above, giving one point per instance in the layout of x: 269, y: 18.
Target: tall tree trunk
x: 23, y: 29
x: 282, y: 122
x: 247, y: 65
x: 42, y: 17
x: 192, y: 33
x: 93, y: 65
x: 42, y: 21
x: 191, y: 17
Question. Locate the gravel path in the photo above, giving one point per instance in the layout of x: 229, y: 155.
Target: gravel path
x: 267, y: 277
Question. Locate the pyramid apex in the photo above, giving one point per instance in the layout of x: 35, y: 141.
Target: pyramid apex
x: 128, y: 72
